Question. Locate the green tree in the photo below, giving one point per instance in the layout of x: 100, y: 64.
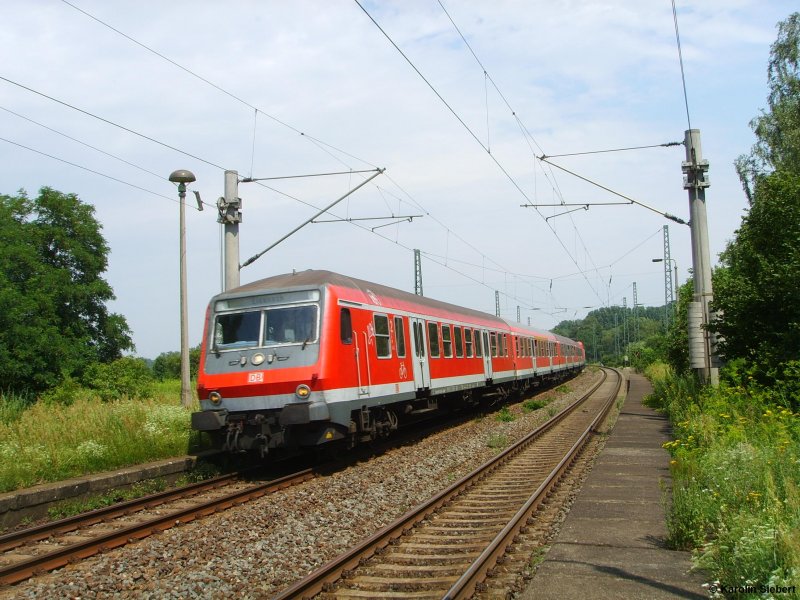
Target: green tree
x: 758, y: 288
x: 167, y: 365
x: 53, y: 317
x: 777, y: 130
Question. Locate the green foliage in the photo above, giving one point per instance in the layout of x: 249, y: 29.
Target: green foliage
x: 167, y: 365
x: 126, y: 376
x: 53, y: 318
x: 758, y: 288
x: 606, y: 331
x: 735, y: 467
x: 758, y: 291
x: 677, y: 344
x: 504, y: 415
x: 777, y: 130
x: 12, y: 406
x: 51, y: 442
x: 531, y: 405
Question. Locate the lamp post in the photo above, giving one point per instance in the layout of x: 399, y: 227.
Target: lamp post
x: 182, y: 177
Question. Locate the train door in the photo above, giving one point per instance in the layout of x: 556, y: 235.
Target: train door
x: 421, y: 368
x: 487, y: 355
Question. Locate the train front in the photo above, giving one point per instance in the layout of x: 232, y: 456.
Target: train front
x: 259, y: 372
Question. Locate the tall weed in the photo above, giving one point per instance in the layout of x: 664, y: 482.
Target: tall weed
x: 735, y: 465
x: 50, y: 441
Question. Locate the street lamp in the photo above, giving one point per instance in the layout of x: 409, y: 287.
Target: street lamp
x: 182, y: 177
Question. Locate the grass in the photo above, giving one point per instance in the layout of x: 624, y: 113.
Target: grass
x: 497, y: 440
x: 736, y: 479
x: 45, y: 441
x: 532, y: 405
x: 504, y: 415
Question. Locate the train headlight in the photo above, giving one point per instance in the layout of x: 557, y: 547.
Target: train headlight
x: 215, y: 397
x: 257, y: 359
x: 302, y: 391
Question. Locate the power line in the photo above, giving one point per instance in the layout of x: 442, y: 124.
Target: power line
x: 469, y: 130
x: 69, y: 137
x: 665, y: 145
x: 133, y: 185
x: 109, y: 122
x: 680, y: 60
x: 322, y: 145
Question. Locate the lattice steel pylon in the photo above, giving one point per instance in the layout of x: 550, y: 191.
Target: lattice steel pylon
x: 418, y: 273
x: 669, y: 296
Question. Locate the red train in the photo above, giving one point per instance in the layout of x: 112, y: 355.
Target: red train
x: 307, y: 358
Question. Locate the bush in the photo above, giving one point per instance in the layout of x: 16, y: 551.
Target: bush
x: 126, y: 376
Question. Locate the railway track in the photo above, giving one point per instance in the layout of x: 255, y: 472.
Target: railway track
x: 28, y: 552
x: 445, y: 547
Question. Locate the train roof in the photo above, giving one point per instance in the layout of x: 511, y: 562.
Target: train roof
x: 367, y: 290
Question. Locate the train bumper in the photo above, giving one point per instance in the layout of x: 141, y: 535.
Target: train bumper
x: 209, y: 420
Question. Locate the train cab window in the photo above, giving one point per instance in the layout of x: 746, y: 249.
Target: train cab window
x: 468, y: 342
x: 459, y: 342
x: 290, y: 325
x: 383, y: 345
x: 433, y: 339
x: 478, y: 344
x: 493, y: 340
x: 345, y: 326
x: 447, y: 342
x: 400, y: 337
x: 237, y: 330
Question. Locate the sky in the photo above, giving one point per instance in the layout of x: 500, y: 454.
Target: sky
x: 120, y: 94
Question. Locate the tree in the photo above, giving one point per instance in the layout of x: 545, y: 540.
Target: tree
x: 53, y: 317
x: 757, y: 289
x: 777, y: 130
x: 167, y: 365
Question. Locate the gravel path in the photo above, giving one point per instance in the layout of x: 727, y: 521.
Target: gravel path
x: 255, y: 550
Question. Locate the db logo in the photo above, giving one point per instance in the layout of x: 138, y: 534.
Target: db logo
x: 255, y: 377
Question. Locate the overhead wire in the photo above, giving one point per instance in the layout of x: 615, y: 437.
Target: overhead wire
x: 322, y: 145
x: 513, y: 112
x: 133, y: 185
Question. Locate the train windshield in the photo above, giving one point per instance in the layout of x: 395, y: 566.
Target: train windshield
x: 277, y: 326
x: 290, y: 325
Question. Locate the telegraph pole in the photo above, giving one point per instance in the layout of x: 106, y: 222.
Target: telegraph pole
x: 497, y: 303
x: 701, y: 347
x: 230, y: 215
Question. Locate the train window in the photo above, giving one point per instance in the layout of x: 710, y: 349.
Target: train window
x: 400, y: 337
x: 290, y: 325
x: 237, y: 330
x: 478, y: 345
x: 433, y: 338
x: 345, y: 326
x: 383, y: 345
x: 459, y: 342
x: 468, y: 342
x: 504, y: 345
x: 493, y: 340
x: 447, y: 342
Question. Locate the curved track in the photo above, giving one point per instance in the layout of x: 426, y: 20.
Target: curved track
x: 444, y: 548
x: 53, y: 545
